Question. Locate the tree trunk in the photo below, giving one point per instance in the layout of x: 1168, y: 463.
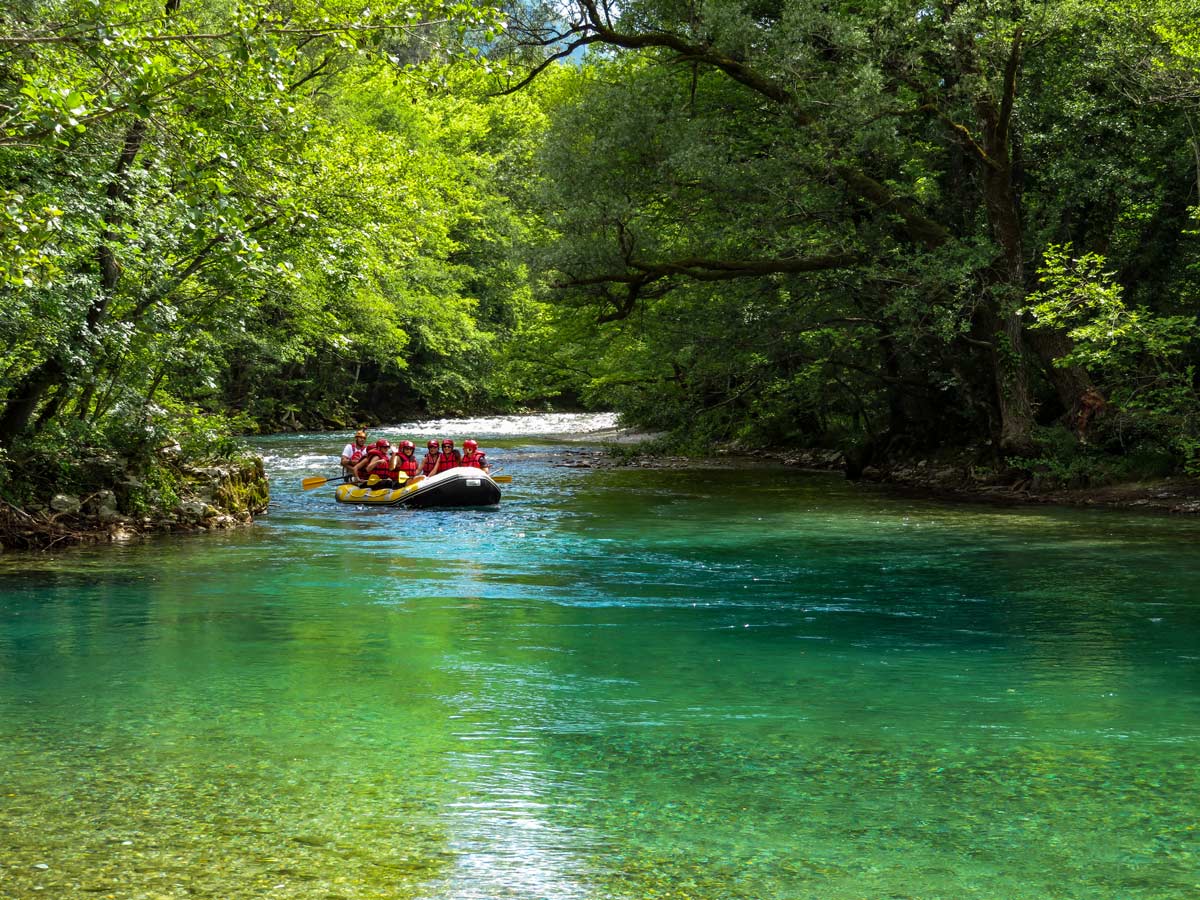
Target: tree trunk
x: 1012, y: 344
x: 27, y: 395
x: 1070, y: 383
x: 51, y: 372
x: 1009, y: 352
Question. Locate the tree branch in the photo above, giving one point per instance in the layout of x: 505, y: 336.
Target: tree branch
x: 919, y: 226
x: 698, y: 269
x: 694, y: 52
x: 1009, y: 96
x: 963, y: 133
x: 546, y: 63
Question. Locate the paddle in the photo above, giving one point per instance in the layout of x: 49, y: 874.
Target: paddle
x: 316, y: 481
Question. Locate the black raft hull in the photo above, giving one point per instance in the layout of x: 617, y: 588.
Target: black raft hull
x: 461, y: 486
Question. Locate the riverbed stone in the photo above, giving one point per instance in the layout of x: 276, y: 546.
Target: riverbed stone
x: 174, y: 497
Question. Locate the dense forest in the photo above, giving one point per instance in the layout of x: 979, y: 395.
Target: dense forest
x: 887, y: 227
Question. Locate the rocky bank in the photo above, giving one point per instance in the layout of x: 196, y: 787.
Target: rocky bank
x: 195, y: 498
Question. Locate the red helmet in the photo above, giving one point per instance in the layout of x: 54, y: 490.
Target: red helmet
x: 433, y: 445
x: 382, y: 444
x: 407, y: 445
x: 448, y: 443
x: 469, y: 444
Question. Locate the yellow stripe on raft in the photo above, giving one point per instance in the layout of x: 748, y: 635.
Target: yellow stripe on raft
x: 348, y: 493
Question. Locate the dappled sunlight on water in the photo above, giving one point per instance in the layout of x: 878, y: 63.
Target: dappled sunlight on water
x: 619, y: 684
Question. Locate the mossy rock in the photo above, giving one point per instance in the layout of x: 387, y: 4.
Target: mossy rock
x: 244, y: 490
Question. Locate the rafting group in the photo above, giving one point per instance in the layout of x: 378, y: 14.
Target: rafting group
x: 382, y: 466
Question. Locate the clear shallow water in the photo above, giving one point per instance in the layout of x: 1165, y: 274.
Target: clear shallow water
x: 621, y: 684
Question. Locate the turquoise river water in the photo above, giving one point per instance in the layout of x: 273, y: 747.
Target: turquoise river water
x: 623, y: 683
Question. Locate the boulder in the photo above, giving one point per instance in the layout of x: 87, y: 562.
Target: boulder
x: 65, y: 503
x: 103, y: 500
x: 244, y: 489
x: 194, y: 510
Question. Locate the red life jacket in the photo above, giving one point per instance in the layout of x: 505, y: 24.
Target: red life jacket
x: 430, y: 463
x: 445, y: 463
x: 475, y: 459
x: 407, y: 464
x: 374, y: 468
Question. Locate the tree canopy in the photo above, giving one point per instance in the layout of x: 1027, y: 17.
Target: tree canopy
x: 888, y: 225
x: 832, y: 216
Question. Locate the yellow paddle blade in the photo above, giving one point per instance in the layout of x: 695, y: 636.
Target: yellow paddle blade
x: 502, y: 479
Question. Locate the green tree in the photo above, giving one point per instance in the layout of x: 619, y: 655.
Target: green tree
x: 879, y: 182
x: 161, y: 160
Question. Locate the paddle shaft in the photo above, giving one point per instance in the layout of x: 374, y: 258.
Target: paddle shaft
x: 316, y: 481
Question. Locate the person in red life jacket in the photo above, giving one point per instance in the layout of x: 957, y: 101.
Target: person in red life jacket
x: 405, y: 462
x: 449, y: 458
x: 352, y: 453
x: 432, y: 457
x: 376, y: 462
x: 474, y: 457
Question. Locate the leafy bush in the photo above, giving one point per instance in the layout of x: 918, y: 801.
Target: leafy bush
x: 1063, y: 461
x: 1138, y: 357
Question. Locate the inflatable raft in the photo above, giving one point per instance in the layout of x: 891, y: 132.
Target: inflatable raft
x: 462, y: 486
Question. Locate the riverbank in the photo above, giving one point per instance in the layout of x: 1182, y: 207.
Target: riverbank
x: 951, y: 478
x: 122, y: 505
x: 963, y: 481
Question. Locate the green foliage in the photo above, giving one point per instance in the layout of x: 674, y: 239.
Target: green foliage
x: 868, y: 130
x: 252, y: 209
x: 1061, y: 461
x: 25, y: 235
x: 1141, y: 359
x: 156, y: 491
x: 815, y: 229
x: 1083, y: 300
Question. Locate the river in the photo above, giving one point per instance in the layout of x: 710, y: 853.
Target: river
x: 622, y: 683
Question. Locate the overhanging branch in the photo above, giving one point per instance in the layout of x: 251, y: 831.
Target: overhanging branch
x: 660, y: 275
